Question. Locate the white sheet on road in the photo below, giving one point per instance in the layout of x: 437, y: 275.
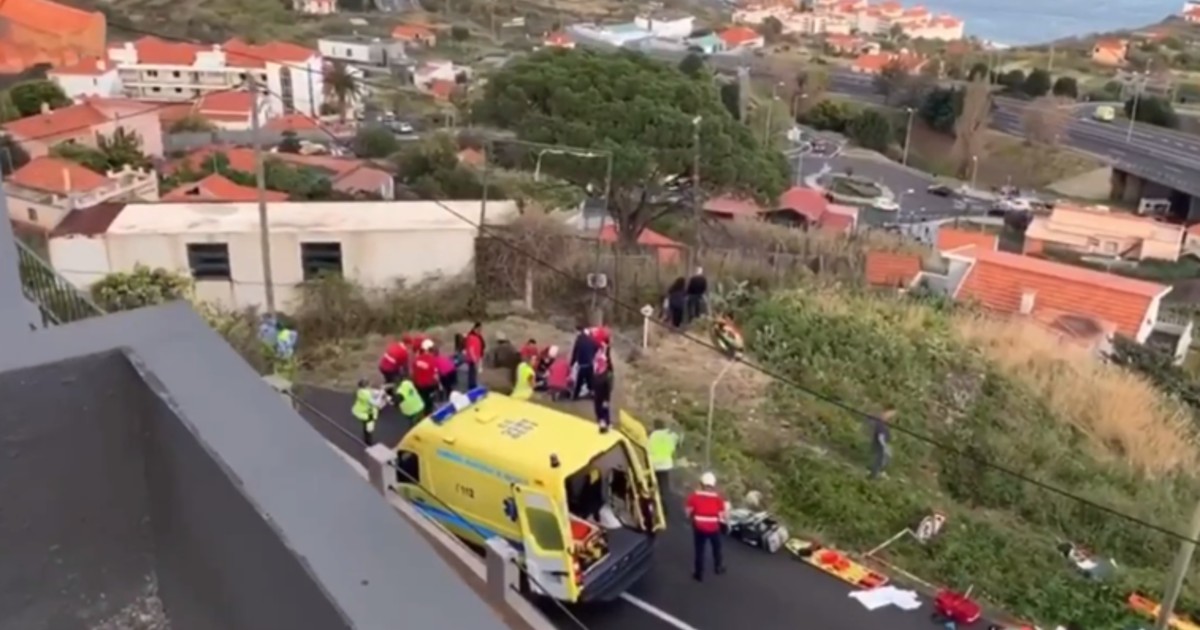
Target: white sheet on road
x: 877, y: 598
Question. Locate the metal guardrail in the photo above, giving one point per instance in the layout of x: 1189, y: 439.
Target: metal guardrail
x: 56, y: 298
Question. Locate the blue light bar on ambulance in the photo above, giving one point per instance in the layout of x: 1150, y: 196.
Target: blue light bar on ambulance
x: 458, y: 402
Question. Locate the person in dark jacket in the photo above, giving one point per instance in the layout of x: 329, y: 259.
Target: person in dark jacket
x: 697, y: 291
x: 676, y: 302
x: 582, y: 356
x: 506, y: 357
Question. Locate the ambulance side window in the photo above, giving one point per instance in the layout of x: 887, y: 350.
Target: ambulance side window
x: 409, y: 464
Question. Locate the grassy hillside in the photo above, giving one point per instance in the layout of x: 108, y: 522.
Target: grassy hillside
x: 1006, y: 393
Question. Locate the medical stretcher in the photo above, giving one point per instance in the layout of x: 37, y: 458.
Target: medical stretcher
x: 835, y: 563
x: 1150, y: 608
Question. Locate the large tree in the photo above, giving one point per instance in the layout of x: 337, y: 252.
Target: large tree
x: 29, y: 96
x: 646, y: 114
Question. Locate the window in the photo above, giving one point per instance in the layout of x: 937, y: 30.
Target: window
x: 33, y: 215
x: 152, y: 73
x: 544, y: 527
x: 318, y: 259
x: 409, y: 465
x: 209, y: 261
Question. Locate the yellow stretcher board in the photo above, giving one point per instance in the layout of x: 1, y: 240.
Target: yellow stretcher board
x: 1150, y: 608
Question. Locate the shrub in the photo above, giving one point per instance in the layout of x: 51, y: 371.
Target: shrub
x: 983, y: 391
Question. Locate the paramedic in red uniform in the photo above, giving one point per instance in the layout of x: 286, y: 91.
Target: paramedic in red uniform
x: 425, y: 375
x: 394, y: 362
x: 706, y: 510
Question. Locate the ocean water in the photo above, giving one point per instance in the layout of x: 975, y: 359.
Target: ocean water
x: 1013, y: 22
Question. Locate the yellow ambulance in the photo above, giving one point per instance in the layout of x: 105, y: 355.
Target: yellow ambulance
x: 580, y: 506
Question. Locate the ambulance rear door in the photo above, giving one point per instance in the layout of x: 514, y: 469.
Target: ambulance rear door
x: 640, y: 441
x: 546, y: 532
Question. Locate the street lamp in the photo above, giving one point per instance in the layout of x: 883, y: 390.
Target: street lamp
x: 908, y: 135
x: 974, y: 169
x: 1139, y: 84
x: 771, y: 112
x: 695, y: 191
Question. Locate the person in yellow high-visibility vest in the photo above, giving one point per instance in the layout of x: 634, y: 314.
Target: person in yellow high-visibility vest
x: 367, y: 402
x: 661, y: 447
x: 523, y: 387
x: 409, y: 400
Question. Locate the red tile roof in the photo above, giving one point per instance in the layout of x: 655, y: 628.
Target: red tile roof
x: 730, y: 206
x: 48, y: 17
x: 152, y: 50
x: 217, y: 187
x: 234, y: 106
x: 837, y: 223
x: 56, y: 176
x: 71, y: 120
x: 949, y: 238
x: 559, y: 39
x: 91, y: 221
x: 998, y: 280
x: 86, y: 66
x: 648, y: 237
x: 442, y: 89
x: 291, y: 122
x: 809, y: 202
x: 739, y: 35
x: 243, y: 55
x: 412, y: 31
x: 891, y: 269
x: 471, y: 157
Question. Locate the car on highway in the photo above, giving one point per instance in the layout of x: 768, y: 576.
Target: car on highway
x: 886, y: 205
x: 1105, y: 113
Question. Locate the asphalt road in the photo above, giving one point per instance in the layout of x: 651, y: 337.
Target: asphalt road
x: 760, y: 591
x: 1162, y: 154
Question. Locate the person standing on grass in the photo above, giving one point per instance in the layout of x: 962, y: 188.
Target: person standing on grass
x: 675, y: 305
x: 881, y: 442
x: 473, y: 349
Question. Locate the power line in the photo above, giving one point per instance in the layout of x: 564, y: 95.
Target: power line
x: 409, y: 479
x: 781, y: 378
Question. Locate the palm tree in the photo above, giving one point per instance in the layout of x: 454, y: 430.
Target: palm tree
x: 122, y: 148
x: 343, y: 85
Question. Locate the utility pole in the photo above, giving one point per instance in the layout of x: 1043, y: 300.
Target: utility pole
x: 696, y: 203
x: 1133, y: 111
x: 260, y: 176
x: 1179, y: 570
x: 1050, y: 63
x: 908, y: 135
x: 487, y: 159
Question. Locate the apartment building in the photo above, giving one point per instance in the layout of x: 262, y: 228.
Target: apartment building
x: 46, y: 190
x: 290, y: 75
x: 92, y: 76
x: 1100, y: 232
x: 362, y: 51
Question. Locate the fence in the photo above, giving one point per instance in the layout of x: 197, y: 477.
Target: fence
x: 57, y: 299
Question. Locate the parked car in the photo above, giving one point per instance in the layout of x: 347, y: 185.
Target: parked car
x: 886, y: 205
x: 941, y: 190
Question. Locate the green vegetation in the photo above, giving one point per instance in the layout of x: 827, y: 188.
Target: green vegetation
x: 112, y: 153
x: 1152, y: 110
x: 854, y: 187
x: 645, y: 114
x: 984, y: 395
x: 1153, y: 270
x: 299, y: 182
x: 28, y: 97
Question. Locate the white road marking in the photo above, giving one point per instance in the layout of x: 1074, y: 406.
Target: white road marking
x: 657, y: 612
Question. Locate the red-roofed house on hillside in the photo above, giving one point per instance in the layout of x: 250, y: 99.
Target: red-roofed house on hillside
x: 950, y: 238
x: 741, y: 38
x: 40, y: 31
x: 876, y: 62
x: 415, y: 34
x: 346, y: 175
x: 1101, y: 232
x: 291, y: 75
x: 728, y: 207
x: 665, y: 250
x: 47, y: 190
x: 85, y: 122
x: 90, y: 76
x: 1191, y: 242
x: 231, y: 111
x: 217, y: 187
x: 1110, y: 52
x: 897, y: 270
x: 799, y: 207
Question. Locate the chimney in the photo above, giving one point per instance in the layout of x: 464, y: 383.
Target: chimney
x: 67, y: 180
x: 45, y: 107
x: 1027, y: 300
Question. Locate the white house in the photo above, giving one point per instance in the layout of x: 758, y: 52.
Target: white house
x: 155, y: 69
x: 361, y: 50
x: 46, y: 190
x: 315, y: 7
x: 374, y: 244
x: 667, y: 25
x: 89, y: 77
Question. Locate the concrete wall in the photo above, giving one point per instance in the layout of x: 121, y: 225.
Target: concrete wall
x: 77, y: 544
x: 220, y: 564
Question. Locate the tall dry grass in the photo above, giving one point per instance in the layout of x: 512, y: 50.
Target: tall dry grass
x: 1123, y: 415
